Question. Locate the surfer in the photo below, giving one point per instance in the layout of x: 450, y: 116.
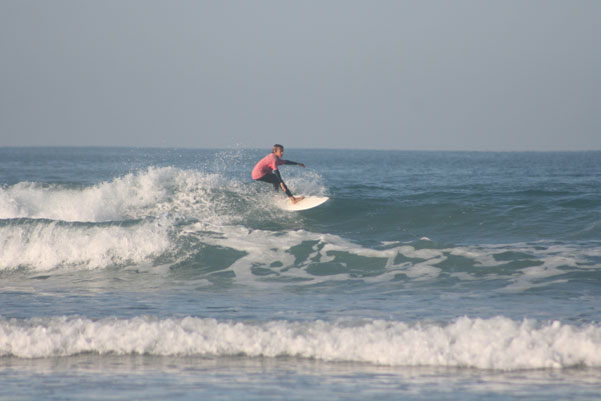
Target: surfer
x: 266, y: 170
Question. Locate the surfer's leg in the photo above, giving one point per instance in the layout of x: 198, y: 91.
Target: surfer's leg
x: 271, y: 179
x: 276, y: 182
x: 282, y: 184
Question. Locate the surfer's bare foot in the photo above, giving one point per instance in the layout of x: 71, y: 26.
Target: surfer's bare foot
x: 294, y: 200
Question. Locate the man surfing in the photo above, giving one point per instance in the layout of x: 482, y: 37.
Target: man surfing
x: 266, y: 170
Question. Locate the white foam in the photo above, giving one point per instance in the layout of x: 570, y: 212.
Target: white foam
x: 45, y: 245
x: 151, y: 192
x: 497, y: 343
x: 44, y: 241
x: 271, y: 248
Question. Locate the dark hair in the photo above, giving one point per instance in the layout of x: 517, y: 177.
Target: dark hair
x: 276, y: 146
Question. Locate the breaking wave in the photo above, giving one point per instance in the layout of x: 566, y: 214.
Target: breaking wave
x: 496, y: 343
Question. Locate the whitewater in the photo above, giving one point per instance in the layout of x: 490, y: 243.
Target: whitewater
x: 170, y: 273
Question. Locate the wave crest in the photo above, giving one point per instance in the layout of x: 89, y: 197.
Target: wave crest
x: 497, y: 343
x: 45, y: 245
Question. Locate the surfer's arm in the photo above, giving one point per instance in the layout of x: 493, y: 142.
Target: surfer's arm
x: 293, y: 163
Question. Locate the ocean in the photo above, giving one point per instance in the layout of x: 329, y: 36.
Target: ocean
x: 169, y: 274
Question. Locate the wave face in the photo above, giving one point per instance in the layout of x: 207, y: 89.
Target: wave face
x: 497, y: 343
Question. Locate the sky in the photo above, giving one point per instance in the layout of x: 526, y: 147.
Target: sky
x: 505, y: 75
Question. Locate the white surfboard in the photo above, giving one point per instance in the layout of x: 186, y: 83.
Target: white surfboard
x: 308, y: 202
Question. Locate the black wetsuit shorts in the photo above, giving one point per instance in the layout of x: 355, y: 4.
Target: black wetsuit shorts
x: 275, y: 179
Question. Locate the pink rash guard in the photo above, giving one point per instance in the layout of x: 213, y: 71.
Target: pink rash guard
x: 266, y: 165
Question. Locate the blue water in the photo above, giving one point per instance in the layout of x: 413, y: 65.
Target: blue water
x: 168, y: 273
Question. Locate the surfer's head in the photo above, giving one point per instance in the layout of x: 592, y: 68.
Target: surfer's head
x: 278, y: 150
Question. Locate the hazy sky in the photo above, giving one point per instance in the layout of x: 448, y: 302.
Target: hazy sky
x: 423, y: 74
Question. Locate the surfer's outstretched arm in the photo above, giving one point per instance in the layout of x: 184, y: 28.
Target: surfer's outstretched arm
x: 294, y: 163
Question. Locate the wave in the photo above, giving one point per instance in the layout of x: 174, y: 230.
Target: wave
x: 203, y: 222
x: 300, y: 257
x: 151, y: 192
x: 134, y: 218
x: 156, y: 191
x: 46, y: 245
x: 496, y: 343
